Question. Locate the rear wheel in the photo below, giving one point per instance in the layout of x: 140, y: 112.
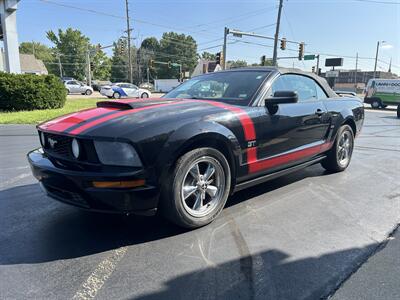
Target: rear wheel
x: 116, y: 95
x: 376, y: 103
x: 145, y: 95
x: 338, y: 158
x: 88, y: 92
x: 197, y: 189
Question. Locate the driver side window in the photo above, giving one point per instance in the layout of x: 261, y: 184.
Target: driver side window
x: 306, y: 88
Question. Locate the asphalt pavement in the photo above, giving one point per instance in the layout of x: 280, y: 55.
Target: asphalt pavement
x: 302, y: 236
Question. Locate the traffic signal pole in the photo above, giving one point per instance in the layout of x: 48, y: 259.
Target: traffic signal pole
x: 275, y: 55
x: 89, y: 71
x: 128, y: 29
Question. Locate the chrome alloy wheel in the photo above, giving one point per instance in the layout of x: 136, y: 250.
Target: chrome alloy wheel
x: 344, y: 148
x: 203, y: 186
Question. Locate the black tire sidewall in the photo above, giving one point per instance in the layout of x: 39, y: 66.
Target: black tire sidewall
x: 177, y: 211
x: 340, y: 132
x: 147, y: 95
x: 88, y: 92
x: 398, y: 111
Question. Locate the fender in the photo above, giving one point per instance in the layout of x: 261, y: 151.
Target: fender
x: 198, y: 132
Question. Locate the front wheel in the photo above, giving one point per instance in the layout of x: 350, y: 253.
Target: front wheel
x: 375, y: 103
x: 144, y: 95
x: 88, y: 92
x: 197, y: 189
x: 116, y: 95
x: 339, y: 156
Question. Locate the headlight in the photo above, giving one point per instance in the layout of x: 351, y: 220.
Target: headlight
x: 75, y: 147
x: 42, y: 139
x: 117, y: 154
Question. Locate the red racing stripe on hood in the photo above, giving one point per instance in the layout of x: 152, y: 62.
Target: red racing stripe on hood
x: 117, y: 115
x: 61, y: 124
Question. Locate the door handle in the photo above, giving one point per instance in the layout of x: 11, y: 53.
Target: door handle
x: 319, y: 112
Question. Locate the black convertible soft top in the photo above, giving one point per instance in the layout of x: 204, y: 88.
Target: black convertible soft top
x: 281, y: 70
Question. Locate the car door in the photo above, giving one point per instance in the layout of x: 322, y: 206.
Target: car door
x: 133, y: 90
x: 294, y: 127
x: 74, y: 86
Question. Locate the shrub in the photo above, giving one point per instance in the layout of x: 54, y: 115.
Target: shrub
x: 29, y: 92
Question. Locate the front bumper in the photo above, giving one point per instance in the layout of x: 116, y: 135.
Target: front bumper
x: 75, y: 188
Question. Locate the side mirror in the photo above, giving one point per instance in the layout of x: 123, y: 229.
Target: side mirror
x: 281, y: 97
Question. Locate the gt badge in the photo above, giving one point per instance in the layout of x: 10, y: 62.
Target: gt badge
x: 251, y: 144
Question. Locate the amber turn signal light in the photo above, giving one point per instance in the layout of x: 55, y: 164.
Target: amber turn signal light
x: 119, y: 184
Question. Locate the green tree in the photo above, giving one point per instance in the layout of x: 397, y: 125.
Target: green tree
x: 148, y: 50
x: 119, y: 61
x: 72, y: 47
x: 43, y: 53
x: 176, y: 48
x: 236, y: 64
x: 208, y: 56
x: 101, y: 64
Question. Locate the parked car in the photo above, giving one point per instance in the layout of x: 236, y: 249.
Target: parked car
x: 185, y: 153
x: 147, y: 86
x: 76, y: 87
x: 123, y: 90
x: 98, y: 84
x: 383, y: 92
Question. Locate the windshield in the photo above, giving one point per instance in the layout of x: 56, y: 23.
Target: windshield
x: 237, y: 87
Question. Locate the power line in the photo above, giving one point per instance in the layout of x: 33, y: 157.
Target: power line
x: 378, y: 2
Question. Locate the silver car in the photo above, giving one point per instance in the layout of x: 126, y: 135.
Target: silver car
x: 76, y: 87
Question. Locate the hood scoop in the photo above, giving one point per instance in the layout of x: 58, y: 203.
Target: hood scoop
x: 132, y: 104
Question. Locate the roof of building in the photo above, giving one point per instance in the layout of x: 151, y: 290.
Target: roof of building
x: 30, y: 64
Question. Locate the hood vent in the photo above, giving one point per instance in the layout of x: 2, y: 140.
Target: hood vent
x: 132, y: 104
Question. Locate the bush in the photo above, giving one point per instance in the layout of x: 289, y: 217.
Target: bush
x: 29, y: 92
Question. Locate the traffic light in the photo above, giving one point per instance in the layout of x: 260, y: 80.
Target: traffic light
x: 263, y: 58
x: 218, y: 58
x: 283, y: 44
x: 313, y: 69
x: 151, y: 63
x: 91, y: 65
x: 301, y: 51
x: 169, y: 65
x: 122, y: 49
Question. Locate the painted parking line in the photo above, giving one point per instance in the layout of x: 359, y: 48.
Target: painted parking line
x: 13, y: 180
x: 96, y: 280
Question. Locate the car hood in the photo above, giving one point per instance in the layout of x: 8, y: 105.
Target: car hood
x: 119, y: 118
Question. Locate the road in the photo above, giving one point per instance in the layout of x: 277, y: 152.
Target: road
x: 297, y: 237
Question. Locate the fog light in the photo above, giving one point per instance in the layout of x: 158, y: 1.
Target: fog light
x: 75, y: 148
x: 119, y: 184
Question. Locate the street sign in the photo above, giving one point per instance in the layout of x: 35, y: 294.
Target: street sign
x: 333, y: 73
x: 309, y: 57
x: 334, y: 62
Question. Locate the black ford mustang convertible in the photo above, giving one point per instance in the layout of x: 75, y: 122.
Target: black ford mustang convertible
x: 185, y: 153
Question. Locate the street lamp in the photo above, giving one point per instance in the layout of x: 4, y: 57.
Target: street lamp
x: 377, y: 52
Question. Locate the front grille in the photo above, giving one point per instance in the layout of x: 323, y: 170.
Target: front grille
x: 58, y: 145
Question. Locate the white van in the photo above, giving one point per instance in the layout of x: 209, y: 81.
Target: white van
x: 383, y: 92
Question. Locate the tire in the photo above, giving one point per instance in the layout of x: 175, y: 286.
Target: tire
x: 204, y: 201
x: 398, y: 111
x: 376, y: 103
x: 144, y: 95
x: 334, y: 162
x: 88, y: 92
x: 109, y: 97
x: 116, y: 95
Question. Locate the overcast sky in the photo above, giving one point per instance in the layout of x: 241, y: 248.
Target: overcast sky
x: 334, y: 28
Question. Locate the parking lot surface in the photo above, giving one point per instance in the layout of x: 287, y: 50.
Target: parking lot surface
x: 296, y: 237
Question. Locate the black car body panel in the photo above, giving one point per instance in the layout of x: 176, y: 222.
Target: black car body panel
x: 256, y: 142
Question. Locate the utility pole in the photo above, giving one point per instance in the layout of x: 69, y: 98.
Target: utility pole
x: 128, y: 29
x: 317, y: 70
x: 355, y: 74
x: 390, y: 66
x: 274, y: 58
x: 226, y: 32
x: 376, y: 57
x: 59, y: 65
